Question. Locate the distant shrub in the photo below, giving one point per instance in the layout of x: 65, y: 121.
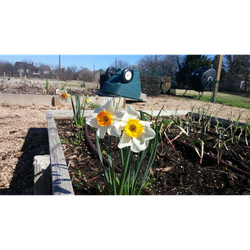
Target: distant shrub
x: 150, y: 84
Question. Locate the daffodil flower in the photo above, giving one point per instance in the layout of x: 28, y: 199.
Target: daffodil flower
x: 87, y: 100
x: 104, y: 118
x: 64, y: 96
x: 136, y: 133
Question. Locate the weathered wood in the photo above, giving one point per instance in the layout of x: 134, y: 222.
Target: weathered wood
x: 67, y: 114
x: 61, y: 182
x: 216, y: 89
x: 56, y: 101
x: 173, y: 91
x: 42, y: 175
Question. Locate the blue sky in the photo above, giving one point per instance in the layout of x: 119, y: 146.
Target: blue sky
x: 88, y: 61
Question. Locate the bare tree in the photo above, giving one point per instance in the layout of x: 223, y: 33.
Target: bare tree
x: 238, y: 66
x: 245, y: 70
x: 68, y: 74
x: 147, y: 63
x: 27, y: 61
x: 167, y: 64
x: 74, y: 70
x: 120, y: 64
x: 55, y: 69
x: 179, y: 60
x: 6, y: 67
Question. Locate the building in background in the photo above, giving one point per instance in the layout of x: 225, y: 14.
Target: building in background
x: 24, y: 69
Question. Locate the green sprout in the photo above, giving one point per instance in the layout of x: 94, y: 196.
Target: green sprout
x: 236, y: 125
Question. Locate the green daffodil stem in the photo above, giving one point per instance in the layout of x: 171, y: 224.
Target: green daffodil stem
x: 124, y: 171
x: 106, y: 178
x: 112, y: 170
x: 112, y: 180
x: 122, y: 160
x: 82, y: 119
x: 110, y: 143
x: 121, y: 152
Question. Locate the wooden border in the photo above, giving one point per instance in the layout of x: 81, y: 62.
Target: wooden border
x: 61, y: 182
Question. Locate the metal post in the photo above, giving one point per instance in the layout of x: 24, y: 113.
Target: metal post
x: 3, y: 75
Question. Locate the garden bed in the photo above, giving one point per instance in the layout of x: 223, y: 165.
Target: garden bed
x: 176, y: 170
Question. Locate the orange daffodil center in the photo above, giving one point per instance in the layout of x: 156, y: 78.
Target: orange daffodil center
x: 64, y: 95
x: 104, y: 118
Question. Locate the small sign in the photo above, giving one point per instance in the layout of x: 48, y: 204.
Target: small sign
x: 57, y: 91
x: 44, y: 91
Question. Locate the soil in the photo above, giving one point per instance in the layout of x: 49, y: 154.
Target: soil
x: 176, y: 169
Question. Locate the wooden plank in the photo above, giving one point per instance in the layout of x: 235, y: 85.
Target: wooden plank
x: 42, y: 175
x: 67, y: 114
x: 217, y: 79
x: 61, y: 182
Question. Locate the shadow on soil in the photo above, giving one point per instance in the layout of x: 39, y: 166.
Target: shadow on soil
x: 36, y: 143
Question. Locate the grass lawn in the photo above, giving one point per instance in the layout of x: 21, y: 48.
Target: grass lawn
x: 240, y: 100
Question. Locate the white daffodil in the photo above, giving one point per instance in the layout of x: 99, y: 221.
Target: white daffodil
x: 136, y: 133
x: 104, y: 118
x: 64, y: 96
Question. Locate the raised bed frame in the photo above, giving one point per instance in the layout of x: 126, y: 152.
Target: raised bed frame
x: 60, y: 178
